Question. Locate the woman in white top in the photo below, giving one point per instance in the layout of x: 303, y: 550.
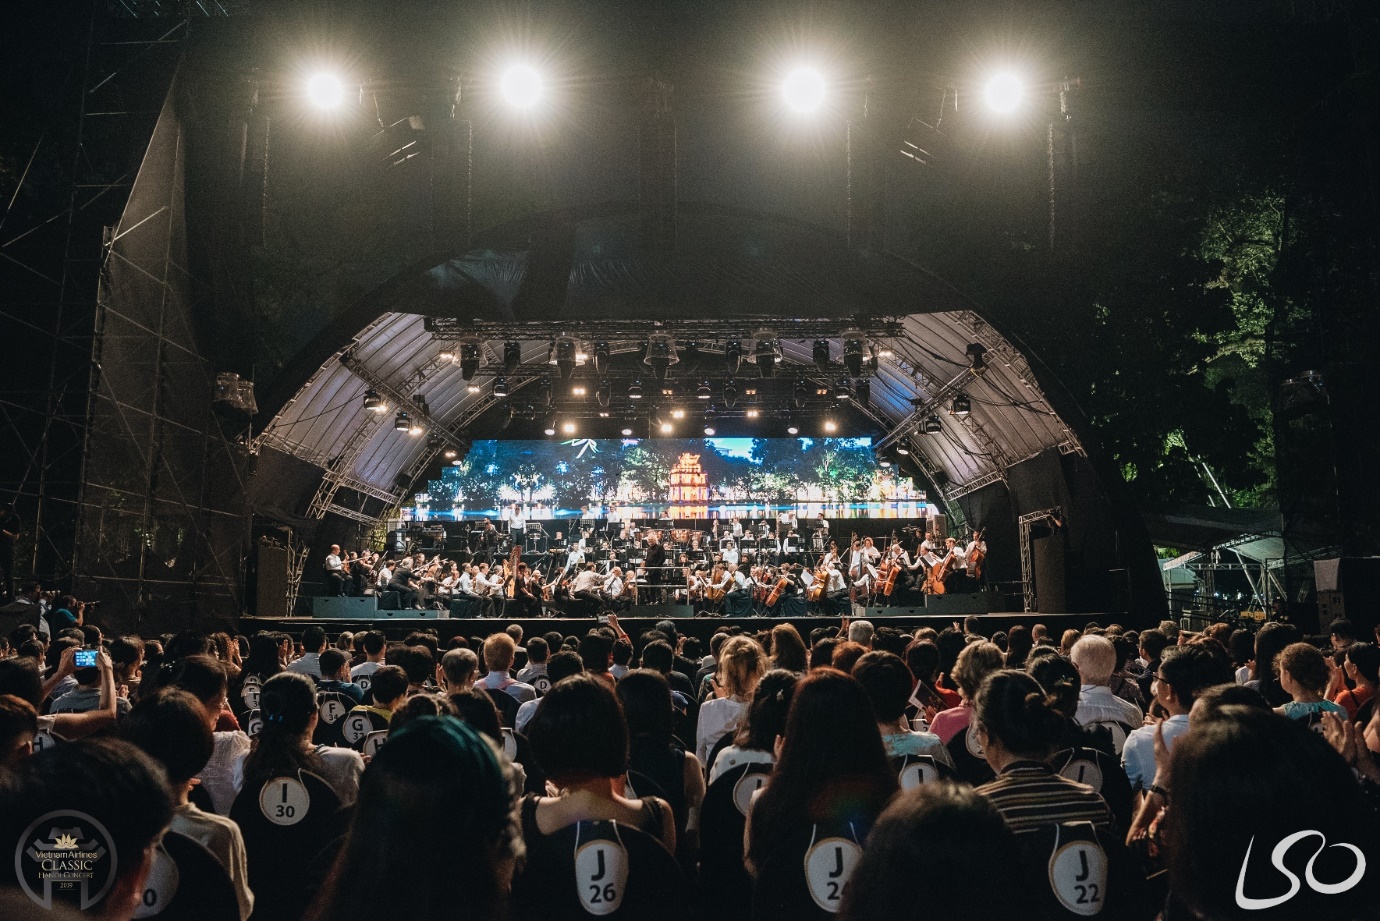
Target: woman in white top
x: 741, y: 664
x: 287, y: 702
x: 755, y: 740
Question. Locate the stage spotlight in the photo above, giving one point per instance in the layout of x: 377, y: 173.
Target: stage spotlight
x: 883, y: 351
x: 522, y: 86
x: 550, y: 427
x: 416, y: 429
x: 1004, y: 93
x: 677, y: 413
x: 529, y: 411
x: 565, y: 348
x: 512, y: 357
x: 451, y: 454
x: 933, y: 426
x: 635, y: 390
x: 804, y: 90
x: 830, y: 426
x: 601, y: 357
x: 730, y: 393
x: 456, y: 463
x: 884, y: 461
x: 655, y: 416
x: 703, y: 392
x: 326, y: 91
x: 709, y: 421
x: 579, y: 390
x: 862, y: 392
x: 853, y: 352
x: 604, y: 414
x: 800, y: 394
x: 822, y: 354
x: 544, y: 392
x: 666, y: 428
x: 962, y: 405
x: 373, y: 402
x: 902, y: 450
x: 471, y: 354
x: 766, y: 358
x: 473, y: 387
x: 605, y: 392
x: 843, y: 390
x: 975, y: 353
x: 434, y: 442
x: 421, y: 404
x: 733, y: 355
x: 627, y: 430
x: 446, y: 355
x: 500, y: 387
x: 791, y: 426
x: 568, y: 428
x: 661, y: 354
x: 752, y: 413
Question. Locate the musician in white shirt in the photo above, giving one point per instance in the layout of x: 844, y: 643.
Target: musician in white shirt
x: 737, y: 528
x: 586, y: 583
x: 729, y: 556
x: 613, y: 585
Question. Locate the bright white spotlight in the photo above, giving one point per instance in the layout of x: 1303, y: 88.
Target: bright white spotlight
x: 804, y: 90
x: 1004, y: 93
x: 326, y: 91
x: 522, y: 86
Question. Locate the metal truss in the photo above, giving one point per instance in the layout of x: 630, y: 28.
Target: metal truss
x: 708, y: 332
x: 1027, y: 563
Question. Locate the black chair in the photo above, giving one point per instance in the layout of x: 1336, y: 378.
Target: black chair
x: 1075, y: 870
x: 331, y: 708
x: 1118, y: 730
x: 506, y: 703
x: 357, y: 725
x: 914, y: 770
x: 186, y: 881
x: 725, y: 886
x: 252, y: 721
x: 969, y: 763
x: 1104, y: 774
x: 599, y: 869
x: 807, y: 873
x: 284, y: 823
x: 244, y: 694
x: 516, y: 747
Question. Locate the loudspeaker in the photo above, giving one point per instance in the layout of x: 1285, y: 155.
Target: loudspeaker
x: 464, y: 607
x: 1331, y: 607
x: 271, y: 591
x: 364, y: 608
x: 1048, y: 554
x: 940, y: 525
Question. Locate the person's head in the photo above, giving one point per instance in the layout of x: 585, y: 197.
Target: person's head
x: 861, y: 631
x: 1211, y: 700
x: 201, y: 676
x: 537, y: 651
x: 313, y: 639
x: 971, y: 624
x: 1060, y: 681
x: 18, y: 728
x: 788, y: 649
x: 846, y: 655
x: 388, y: 684
x: 1363, y: 663
x: 822, y: 652
x: 1183, y: 672
x: 417, y: 706
x: 171, y: 727
x: 961, y: 840
x: 499, y: 651
x: 831, y: 766
x: 596, y: 651
x: 646, y: 698
x: 1095, y: 659
x: 374, y: 644
x: 20, y: 676
x: 287, y: 703
x: 766, y: 715
x: 1302, y: 670
x: 888, y: 684
x: 1241, y: 646
x: 1171, y: 631
x: 1018, y: 646
x: 1153, y: 643
x: 741, y: 664
x: 459, y: 668
x: 126, y: 657
x: 333, y: 662
x: 578, y: 732
x: 476, y: 707
x: 975, y: 663
x: 418, y: 661
x: 659, y: 657
x: 514, y: 632
x: 922, y: 658
x: 1257, y: 779
x: 1342, y: 634
x: 265, y: 655
x: 108, y: 781
x: 1013, y: 711
x: 1068, y: 640
x: 437, y: 780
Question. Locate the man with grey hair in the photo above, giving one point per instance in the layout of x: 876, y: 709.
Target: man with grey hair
x: 861, y: 631
x: 1095, y: 659
x: 457, y: 670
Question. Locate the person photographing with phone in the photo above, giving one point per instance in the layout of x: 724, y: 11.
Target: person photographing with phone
x: 92, y: 670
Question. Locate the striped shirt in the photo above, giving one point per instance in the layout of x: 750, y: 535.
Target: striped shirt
x: 1029, y: 795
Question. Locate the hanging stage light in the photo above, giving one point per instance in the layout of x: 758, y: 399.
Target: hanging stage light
x: 703, y: 392
x: 373, y: 402
x: 509, y: 412
x: 853, y: 343
x: 512, y: 357
x: 766, y: 352
x: 635, y: 390
x: 752, y: 412
x: 550, y: 427
x: 601, y: 357
x: 568, y: 427
x: 933, y: 426
x: 446, y: 355
x: 822, y: 354
x: 565, y: 349
x: 605, y: 393
x: 627, y: 430
x: 629, y: 417
x: 830, y: 426
x: 901, y: 449
x: 843, y: 390
x: 733, y: 355
x: 451, y: 454
x: 730, y: 393
x: 791, y: 426
x: 471, y: 354
x: 434, y: 442
x: 975, y: 353
x: 962, y: 405
x: 501, y: 387
x: 800, y: 393
x: 862, y: 392
x: 544, y: 392
x: 402, y: 421
x: 656, y: 417
x: 709, y: 421
x: 661, y: 354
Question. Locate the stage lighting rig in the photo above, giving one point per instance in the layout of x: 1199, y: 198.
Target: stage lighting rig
x: 544, y: 392
x: 862, y: 392
x: 568, y: 427
x: 976, y: 360
x: 1004, y: 93
x: 450, y: 454
x: 843, y: 390
x: 471, y: 356
x: 661, y: 354
x: 501, y: 387
x: 962, y: 405
x: 566, y: 350
x: 434, y: 442
x: 767, y: 352
x: 791, y: 426
x: 605, y: 393
x: 933, y: 426
x: 902, y: 450
x: 601, y: 357
x: 800, y: 394
x: 853, y: 349
x: 446, y: 354
x: 709, y: 417
x: 550, y: 427
x: 821, y: 355
x: 804, y: 90
x: 402, y: 422
x: 635, y: 390
x: 730, y: 393
x: 522, y: 86
x: 830, y: 426
x: 704, y: 392
x: 373, y: 402
x: 733, y: 355
x: 326, y: 91
x: 512, y: 357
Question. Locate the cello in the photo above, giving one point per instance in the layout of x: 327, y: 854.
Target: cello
x: 780, y: 587
x: 887, y: 580
x: 977, y: 557
x: 934, y: 582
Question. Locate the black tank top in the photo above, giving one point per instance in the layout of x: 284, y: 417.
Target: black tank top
x: 650, y: 821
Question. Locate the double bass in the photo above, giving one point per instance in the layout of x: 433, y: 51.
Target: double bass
x: 886, y: 580
x: 977, y: 557
x: 510, y: 566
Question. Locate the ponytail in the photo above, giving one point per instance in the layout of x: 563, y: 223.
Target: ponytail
x: 1018, y: 713
x: 287, y: 702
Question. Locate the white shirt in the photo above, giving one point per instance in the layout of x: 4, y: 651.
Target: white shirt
x: 333, y: 563
x: 466, y: 584
x: 836, y: 583
x: 1098, y: 705
x: 740, y: 580
x: 385, y: 576
x: 587, y: 581
x: 309, y: 664
x: 499, y: 681
x: 731, y: 756
x: 1138, y: 754
x: 718, y: 717
x: 524, y: 715
x: 364, y: 669
x: 219, y: 778
x: 730, y: 556
x: 613, y: 587
x: 737, y: 529
x: 222, y: 838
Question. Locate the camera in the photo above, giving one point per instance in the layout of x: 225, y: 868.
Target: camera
x: 84, y: 658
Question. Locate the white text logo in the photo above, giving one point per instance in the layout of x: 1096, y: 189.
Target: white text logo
x: 1277, y: 859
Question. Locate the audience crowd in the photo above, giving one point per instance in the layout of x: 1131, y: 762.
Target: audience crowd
x: 863, y: 772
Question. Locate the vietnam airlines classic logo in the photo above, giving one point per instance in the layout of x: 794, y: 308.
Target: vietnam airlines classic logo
x: 67, y: 857
x: 1277, y: 860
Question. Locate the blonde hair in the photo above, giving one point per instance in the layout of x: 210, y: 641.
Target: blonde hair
x: 741, y: 664
x: 499, y: 651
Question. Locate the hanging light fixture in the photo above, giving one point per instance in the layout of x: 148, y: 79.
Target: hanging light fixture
x: 730, y: 393
x: 402, y: 421
x: 976, y: 352
x: 703, y: 392
x: 709, y: 421
x: 843, y: 390
x: 821, y: 355
x: 512, y: 357
x: 661, y: 354
x: 962, y: 405
x: 544, y: 392
x: 635, y: 390
x: 933, y: 426
x: 550, y: 427
x: 853, y: 344
x: 604, y: 393
x: 373, y: 402
x: 800, y: 393
x: 501, y: 387
x: 471, y: 354
x: 733, y: 355
x: 601, y: 356
x: 766, y: 352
